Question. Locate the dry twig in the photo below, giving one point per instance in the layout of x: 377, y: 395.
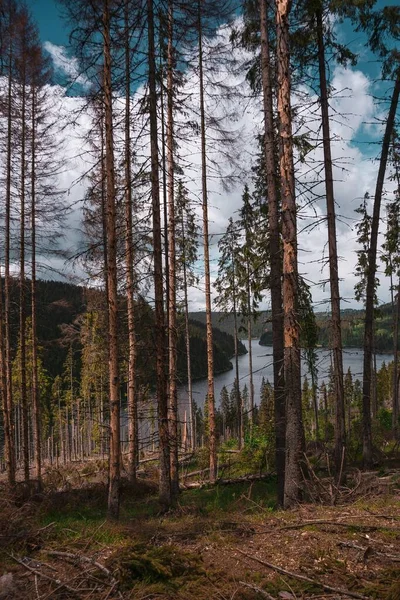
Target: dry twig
x: 328, y: 588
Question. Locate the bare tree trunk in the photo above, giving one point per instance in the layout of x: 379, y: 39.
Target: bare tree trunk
x: 35, y: 382
x: 172, y: 330
x: 187, y: 339
x: 249, y: 337
x: 292, y: 370
x: 275, y: 257
x: 239, y: 406
x: 210, y: 354
x: 165, y: 475
x: 112, y: 300
x: 3, y: 381
x: 395, y: 393
x: 371, y: 273
x: 7, y: 281
x: 340, y: 426
x: 22, y: 308
x: 130, y: 285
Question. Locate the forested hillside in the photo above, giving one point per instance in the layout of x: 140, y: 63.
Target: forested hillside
x: 63, y: 308
x: 352, y: 326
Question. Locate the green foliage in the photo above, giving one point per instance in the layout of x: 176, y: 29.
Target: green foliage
x: 138, y: 562
x: 258, y: 453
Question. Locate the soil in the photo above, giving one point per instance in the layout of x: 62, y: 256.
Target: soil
x: 50, y: 550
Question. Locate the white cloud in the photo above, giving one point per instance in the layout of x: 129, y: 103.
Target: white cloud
x: 66, y: 64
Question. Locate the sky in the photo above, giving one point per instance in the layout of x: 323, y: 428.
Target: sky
x: 356, y: 130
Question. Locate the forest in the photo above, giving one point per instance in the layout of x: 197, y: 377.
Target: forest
x: 182, y: 179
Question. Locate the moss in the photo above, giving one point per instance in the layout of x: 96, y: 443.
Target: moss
x: 166, y: 564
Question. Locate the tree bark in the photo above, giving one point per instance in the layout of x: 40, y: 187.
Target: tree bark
x: 275, y: 256
x: 22, y: 299
x: 162, y: 400
x: 292, y: 370
x: 130, y: 285
x: 187, y: 341
x: 112, y: 299
x: 210, y: 354
x: 371, y: 273
x: 340, y: 427
x: 35, y: 381
x: 172, y: 331
x: 395, y: 393
x: 7, y: 279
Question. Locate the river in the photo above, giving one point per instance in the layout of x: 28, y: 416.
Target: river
x: 262, y: 368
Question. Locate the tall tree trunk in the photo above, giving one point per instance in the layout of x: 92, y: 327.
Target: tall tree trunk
x: 371, y: 273
x: 22, y: 299
x: 292, y: 370
x: 249, y: 337
x: 162, y: 400
x: 187, y: 341
x: 7, y: 282
x: 340, y: 427
x: 395, y: 392
x: 172, y: 330
x: 35, y: 381
x: 165, y: 194
x: 239, y: 406
x: 207, y: 278
x: 130, y: 285
x: 7, y: 418
x: 275, y: 257
x: 112, y: 299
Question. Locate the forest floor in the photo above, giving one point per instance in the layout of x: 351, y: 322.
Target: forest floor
x: 223, y: 542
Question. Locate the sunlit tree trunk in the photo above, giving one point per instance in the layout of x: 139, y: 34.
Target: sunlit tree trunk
x: 275, y: 255
x: 292, y: 371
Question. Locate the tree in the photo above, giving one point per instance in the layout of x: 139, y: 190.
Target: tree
x: 207, y: 277
x: 165, y: 475
x: 111, y: 270
x: 273, y: 197
x: 187, y: 233
x: 391, y: 259
x: 294, y: 425
x: 227, y: 299
x: 129, y: 261
x: 380, y: 25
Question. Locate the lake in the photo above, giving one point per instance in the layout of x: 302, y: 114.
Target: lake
x: 263, y: 367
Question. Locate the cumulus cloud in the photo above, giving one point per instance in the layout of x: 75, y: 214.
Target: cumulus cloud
x: 352, y: 111
x: 68, y: 65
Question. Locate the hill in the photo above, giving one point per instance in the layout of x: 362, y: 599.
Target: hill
x: 61, y: 308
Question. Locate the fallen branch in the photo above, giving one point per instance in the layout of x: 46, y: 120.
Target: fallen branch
x: 78, y: 558
x: 257, y: 589
x: 369, y: 550
x: 328, y: 588
x: 358, y: 526
x: 57, y: 582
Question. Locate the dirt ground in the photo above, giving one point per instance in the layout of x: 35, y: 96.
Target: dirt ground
x: 219, y: 543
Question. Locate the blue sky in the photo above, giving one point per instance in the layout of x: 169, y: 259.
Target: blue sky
x: 47, y: 14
